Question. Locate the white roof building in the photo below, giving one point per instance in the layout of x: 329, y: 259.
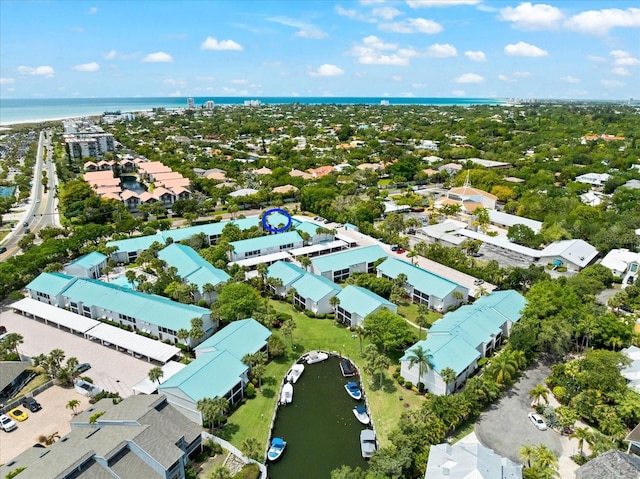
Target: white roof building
x: 593, y: 179
x: 467, y: 461
x: 505, y: 219
x: 575, y: 253
x: 619, y: 261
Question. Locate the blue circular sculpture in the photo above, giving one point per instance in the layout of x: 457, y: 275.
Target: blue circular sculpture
x: 272, y: 229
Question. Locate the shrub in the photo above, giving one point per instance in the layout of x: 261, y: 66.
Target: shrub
x: 400, y: 380
x: 396, y: 374
x: 562, y: 269
x: 282, y: 317
x: 482, y: 362
x: 398, y: 369
x: 560, y: 393
x: 408, y: 385
x: 414, y: 389
x: 309, y: 313
x: 15, y: 295
x: 330, y: 316
x: 248, y: 471
x: 250, y: 391
x: 420, y: 387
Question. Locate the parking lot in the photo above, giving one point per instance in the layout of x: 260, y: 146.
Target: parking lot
x: 53, y: 418
x: 112, y: 370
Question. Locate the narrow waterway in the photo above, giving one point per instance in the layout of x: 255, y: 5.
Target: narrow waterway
x: 321, y: 431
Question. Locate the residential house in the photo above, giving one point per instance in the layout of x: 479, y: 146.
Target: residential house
x: 314, y: 293
x: 339, y: 266
x: 594, y: 179
x: 317, y: 233
x: 631, y: 372
x: 265, y: 245
x: 633, y: 438
x: 469, y: 198
x: 287, y: 273
x: 356, y: 303
x: 460, y: 338
x: 505, y: 220
x: 424, y: 287
x: 622, y: 263
x: 466, y: 461
x: 88, y: 266
x: 13, y: 376
x: 139, y: 437
x: 574, y: 254
x: 611, y: 464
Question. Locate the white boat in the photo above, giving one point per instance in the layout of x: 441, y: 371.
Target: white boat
x: 353, y: 390
x: 316, y: 357
x: 295, y: 372
x: 360, y: 412
x: 286, y: 396
x: 368, y: 443
x: 276, y: 449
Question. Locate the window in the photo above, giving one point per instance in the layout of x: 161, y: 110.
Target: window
x: 371, y: 268
x: 340, y: 274
x: 249, y: 254
x: 286, y: 246
x: 420, y: 297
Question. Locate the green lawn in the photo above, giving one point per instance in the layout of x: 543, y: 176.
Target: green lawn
x: 253, y: 419
x: 409, y: 311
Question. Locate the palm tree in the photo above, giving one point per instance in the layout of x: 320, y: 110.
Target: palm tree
x: 50, y: 439
x: 545, y: 457
x: 131, y: 277
x: 538, y: 393
x: 288, y: 327
x: 458, y: 296
x: 250, y: 447
x: 503, y: 368
x: 615, y: 342
x: 182, y: 334
x: 73, y: 405
x: 423, y: 358
x: 304, y: 261
x: 156, y: 374
x: 258, y: 372
x: 196, y: 331
x: 527, y: 453
x: 448, y: 375
x: 220, y: 472
x: 582, y: 434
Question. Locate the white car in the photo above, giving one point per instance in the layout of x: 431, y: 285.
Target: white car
x: 537, y: 421
x: 7, y: 424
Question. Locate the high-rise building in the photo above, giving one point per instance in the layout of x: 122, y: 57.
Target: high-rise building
x: 190, y: 104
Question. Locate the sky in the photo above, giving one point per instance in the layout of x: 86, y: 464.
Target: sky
x: 565, y: 49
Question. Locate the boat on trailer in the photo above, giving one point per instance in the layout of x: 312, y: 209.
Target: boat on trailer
x: 276, y: 449
x: 295, y: 372
x: 286, y: 396
x: 368, y: 443
x: 353, y: 390
x: 316, y: 357
x: 360, y: 412
x: 347, y: 368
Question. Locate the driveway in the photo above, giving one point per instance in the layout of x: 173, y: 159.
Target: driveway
x: 112, y: 370
x: 505, y: 427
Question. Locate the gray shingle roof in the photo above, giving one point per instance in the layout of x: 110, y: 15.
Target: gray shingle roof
x: 611, y: 464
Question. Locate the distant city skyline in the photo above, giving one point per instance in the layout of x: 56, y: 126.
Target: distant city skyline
x: 564, y: 49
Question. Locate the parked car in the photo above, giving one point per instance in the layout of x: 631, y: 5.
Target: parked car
x: 25, y: 224
x: 31, y: 404
x: 3, y: 249
x: 630, y: 280
x: 537, y: 421
x: 7, y: 424
x: 478, y: 282
x: 82, y: 367
x: 394, y: 247
x: 3, y: 329
x: 401, y: 250
x: 18, y: 414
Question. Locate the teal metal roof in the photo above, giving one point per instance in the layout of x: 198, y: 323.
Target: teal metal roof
x: 278, y: 220
x: 264, y: 242
x: 90, y: 260
x: 420, y: 279
x: 146, y: 307
x: 447, y: 350
x: 309, y: 228
x: 350, y: 257
x: 315, y: 287
x: 287, y: 272
x: 472, y: 325
x: 138, y: 243
x: 211, y: 375
x: 509, y: 304
x: 191, y: 266
x: 51, y: 283
x: 361, y: 301
x: 245, y: 336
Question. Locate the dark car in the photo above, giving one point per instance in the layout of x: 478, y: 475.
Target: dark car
x: 3, y: 249
x: 630, y: 280
x: 82, y: 367
x: 31, y: 404
x: 3, y: 329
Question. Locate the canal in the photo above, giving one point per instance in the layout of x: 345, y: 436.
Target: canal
x: 319, y: 427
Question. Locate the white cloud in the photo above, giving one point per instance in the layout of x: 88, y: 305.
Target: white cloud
x: 469, y: 78
x: 375, y: 42
x: 212, y: 44
x: 373, y: 51
x: 624, y: 59
x: 176, y: 93
x: 522, y: 49
x: 110, y: 55
x: 440, y: 3
x: 622, y: 71
x: 116, y: 55
x: 478, y: 56
x: 570, y: 79
x: 6, y: 81
x: 240, y: 82
x: 171, y: 81
x: 93, y: 10
x: 87, y: 67
x: 595, y: 58
x: 599, y: 22
x: 386, y: 13
x: 506, y: 78
x: 419, y: 85
x: 612, y: 83
x: 412, y: 25
x: 532, y: 17
x: 353, y: 14
x: 442, y: 51
x: 458, y: 93
x: 305, y: 30
x: 43, y: 70
x: 327, y: 70
x: 158, y: 57
x: 522, y: 74
x: 396, y: 78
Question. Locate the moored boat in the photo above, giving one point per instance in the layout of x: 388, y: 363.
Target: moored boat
x: 368, y: 443
x: 347, y: 368
x: 316, y: 357
x: 295, y: 372
x: 360, y: 412
x: 276, y: 449
x: 353, y: 390
x: 286, y: 396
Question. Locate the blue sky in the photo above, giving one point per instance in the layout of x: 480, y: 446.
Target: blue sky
x: 419, y: 48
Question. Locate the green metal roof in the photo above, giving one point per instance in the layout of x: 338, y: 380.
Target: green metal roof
x: 211, y: 375
x: 191, y: 266
x: 315, y: 287
x: 447, y: 350
x: 264, y: 242
x: 245, y: 336
x: 355, y: 299
x: 287, y: 272
x: 50, y: 283
x: 420, y: 279
x: 89, y: 260
x: 350, y: 257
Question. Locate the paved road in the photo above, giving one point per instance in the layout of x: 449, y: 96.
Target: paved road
x: 505, y: 427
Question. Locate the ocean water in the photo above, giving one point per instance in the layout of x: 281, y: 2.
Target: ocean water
x: 35, y: 110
